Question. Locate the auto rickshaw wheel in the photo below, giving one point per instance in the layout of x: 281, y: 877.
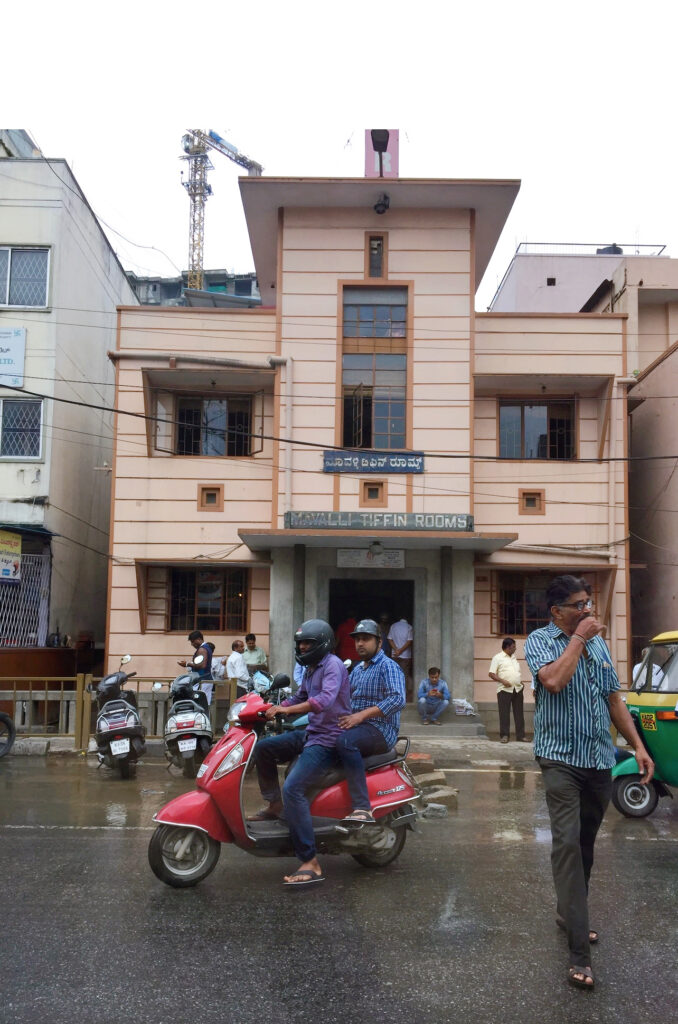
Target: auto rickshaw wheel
x: 632, y: 797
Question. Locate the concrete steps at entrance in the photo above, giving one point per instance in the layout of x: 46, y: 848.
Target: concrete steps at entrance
x: 452, y: 725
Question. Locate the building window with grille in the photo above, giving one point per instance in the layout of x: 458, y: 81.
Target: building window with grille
x: 23, y: 277
x: 20, y: 429
x: 212, y: 600
x: 374, y: 368
x: 213, y: 426
x: 537, y: 430
x: 521, y: 603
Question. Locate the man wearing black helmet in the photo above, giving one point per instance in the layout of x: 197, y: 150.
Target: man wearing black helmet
x: 377, y: 695
x: 324, y: 693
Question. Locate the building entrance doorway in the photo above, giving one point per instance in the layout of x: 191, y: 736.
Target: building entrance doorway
x: 370, y: 598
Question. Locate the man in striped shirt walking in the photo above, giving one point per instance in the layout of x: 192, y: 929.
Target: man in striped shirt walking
x: 577, y: 694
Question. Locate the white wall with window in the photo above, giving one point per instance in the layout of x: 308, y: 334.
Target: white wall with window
x: 60, y: 283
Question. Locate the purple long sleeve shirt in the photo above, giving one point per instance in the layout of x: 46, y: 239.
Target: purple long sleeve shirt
x: 326, y: 687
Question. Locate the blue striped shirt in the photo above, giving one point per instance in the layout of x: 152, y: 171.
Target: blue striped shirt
x: 573, y: 725
x: 381, y: 684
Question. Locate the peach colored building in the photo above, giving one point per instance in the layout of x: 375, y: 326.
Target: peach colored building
x: 366, y: 442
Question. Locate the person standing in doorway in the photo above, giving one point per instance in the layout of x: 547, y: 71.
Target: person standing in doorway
x: 345, y: 649
x: 384, y: 629
x: 576, y: 692
x: 505, y: 671
x: 400, y: 637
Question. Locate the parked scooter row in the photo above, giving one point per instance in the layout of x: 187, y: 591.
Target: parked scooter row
x: 120, y: 736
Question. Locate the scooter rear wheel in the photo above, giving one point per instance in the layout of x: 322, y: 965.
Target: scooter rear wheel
x: 632, y: 797
x: 182, y: 857
x: 380, y: 860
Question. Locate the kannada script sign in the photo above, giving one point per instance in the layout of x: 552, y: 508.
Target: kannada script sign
x: 362, y: 558
x: 10, y: 555
x: 459, y: 522
x: 371, y: 462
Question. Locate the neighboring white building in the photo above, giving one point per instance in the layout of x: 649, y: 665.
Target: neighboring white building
x: 546, y: 277
x: 60, y: 283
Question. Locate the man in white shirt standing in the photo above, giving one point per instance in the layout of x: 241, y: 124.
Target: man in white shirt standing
x: 400, y: 637
x: 505, y: 671
x: 236, y: 667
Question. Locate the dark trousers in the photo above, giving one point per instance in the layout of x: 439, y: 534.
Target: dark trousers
x: 576, y: 799
x: 507, y: 699
x: 352, y: 746
x: 312, y: 763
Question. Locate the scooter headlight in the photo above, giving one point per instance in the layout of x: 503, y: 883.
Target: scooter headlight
x: 231, y: 761
x: 234, y: 711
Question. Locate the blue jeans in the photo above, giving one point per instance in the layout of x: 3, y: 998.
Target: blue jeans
x: 352, y: 746
x: 432, y: 708
x: 312, y: 762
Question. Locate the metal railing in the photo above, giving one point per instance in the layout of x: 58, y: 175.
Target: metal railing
x: 65, y: 706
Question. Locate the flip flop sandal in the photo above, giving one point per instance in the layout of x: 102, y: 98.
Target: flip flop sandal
x: 308, y: 877
x: 264, y: 815
x: 593, y: 934
x: 580, y: 982
x: 359, y: 817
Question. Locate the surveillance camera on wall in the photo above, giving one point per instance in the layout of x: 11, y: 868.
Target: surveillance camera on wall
x: 382, y: 204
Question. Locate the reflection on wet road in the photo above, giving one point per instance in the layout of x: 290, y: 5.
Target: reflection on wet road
x: 459, y: 929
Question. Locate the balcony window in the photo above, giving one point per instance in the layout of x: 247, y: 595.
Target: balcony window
x: 537, y: 430
x: 221, y: 425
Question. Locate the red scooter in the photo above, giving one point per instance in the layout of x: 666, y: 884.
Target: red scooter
x: 191, y: 828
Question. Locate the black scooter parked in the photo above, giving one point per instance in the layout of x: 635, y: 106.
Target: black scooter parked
x: 188, y: 731
x: 120, y: 736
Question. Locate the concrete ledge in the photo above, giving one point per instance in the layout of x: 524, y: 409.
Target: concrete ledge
x: 30, y: 746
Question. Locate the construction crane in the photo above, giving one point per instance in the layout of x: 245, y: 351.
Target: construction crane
x: 196, y: 145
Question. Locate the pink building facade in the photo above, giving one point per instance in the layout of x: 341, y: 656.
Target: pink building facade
x: 366, y: 442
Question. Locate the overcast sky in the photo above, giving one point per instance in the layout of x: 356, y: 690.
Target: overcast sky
x: 577, y: 100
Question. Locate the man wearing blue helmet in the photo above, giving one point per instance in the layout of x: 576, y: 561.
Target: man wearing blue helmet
x: 324, y: 694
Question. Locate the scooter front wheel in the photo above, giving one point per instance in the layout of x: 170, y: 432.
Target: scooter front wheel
x: 632, y: 797
x: 182, y: 857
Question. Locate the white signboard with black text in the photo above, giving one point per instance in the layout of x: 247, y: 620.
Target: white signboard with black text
x: 362, y: 558
x: 12, y: 355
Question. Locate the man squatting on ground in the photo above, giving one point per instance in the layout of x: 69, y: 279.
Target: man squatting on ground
x: 576, y: 693
x: 325, y: 694
x: 377, y: 695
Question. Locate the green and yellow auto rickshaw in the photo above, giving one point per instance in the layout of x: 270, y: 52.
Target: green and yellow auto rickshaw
x: 653, y: 704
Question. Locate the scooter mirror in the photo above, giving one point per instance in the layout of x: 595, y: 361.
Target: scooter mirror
x: 125, y: 658
x: 280, y: 681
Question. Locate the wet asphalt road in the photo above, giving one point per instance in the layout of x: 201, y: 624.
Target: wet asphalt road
x: 460, y: 928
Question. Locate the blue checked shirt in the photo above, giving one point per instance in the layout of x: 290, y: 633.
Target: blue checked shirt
x: 381, y: 684
x: 573, y: 725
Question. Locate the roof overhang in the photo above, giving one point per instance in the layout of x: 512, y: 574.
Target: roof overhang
x: 264, y: 197
x: 412, y: 540
x: 515, y: 384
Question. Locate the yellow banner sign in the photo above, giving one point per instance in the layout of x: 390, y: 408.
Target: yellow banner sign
x: 10, y: 555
